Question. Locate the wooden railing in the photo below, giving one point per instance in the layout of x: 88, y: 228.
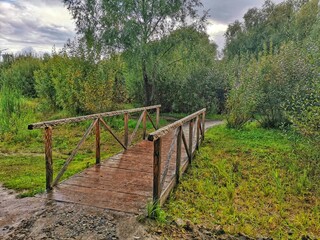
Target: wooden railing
x: 194, y: 125
x: 96, y: 123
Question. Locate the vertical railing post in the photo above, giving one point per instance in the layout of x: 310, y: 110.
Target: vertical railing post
x: 156, y: 172
x: 144, y: 124
x: 178, y: 159
x: 203, y: 124
x: 126, y: 130
x: 157, y: 117
x: 48, y: 157
x: 198, y: 132
x: 190, y: 139
x: 98, y: 142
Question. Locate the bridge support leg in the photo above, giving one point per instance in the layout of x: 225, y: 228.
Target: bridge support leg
x: 178, y: 159
x: 156, y: 172
x: 190, y: 140
x: 203, y: 124
x: 48, y: 157
x: 144, y: 124
x: 98, y: 142
x: 126, y: 130
x: 157, y: 118
x: 198, y: 132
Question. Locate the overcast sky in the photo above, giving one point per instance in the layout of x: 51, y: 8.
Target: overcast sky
x: 41, y: 24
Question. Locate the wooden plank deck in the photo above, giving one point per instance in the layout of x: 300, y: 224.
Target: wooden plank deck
x: 122, y: 183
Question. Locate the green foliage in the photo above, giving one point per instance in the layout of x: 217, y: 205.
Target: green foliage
x: 278, y: 83
x: 303, y: 109
x: 78, y: 85
x: 109, y: 26
x: 10, y: 109
x: 185, y: 74
x: 20, y: 75
x: 243, y: 96
x: 273, y: 23
x: 155, y: 212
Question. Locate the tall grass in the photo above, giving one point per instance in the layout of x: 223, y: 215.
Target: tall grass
x: 16, y: 112
x: 10, y: 109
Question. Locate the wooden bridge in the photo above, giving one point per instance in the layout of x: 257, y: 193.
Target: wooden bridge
x: 126, y: 182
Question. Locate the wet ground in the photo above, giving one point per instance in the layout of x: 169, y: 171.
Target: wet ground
x: 35, y: 218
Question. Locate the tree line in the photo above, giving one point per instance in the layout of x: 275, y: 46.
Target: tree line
x: 157, y: 52
x: 274, y: 60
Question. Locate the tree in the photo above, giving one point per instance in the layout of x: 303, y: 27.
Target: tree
x: 112, y: 25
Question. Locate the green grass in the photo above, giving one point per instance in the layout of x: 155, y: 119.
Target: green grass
x: 254, y: 181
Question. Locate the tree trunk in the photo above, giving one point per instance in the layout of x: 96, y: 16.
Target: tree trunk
x: 148, y: 88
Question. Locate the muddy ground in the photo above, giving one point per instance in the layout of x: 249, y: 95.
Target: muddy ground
x: 36, y: 218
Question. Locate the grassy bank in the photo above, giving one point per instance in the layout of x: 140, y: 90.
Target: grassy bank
x: 256, y: 182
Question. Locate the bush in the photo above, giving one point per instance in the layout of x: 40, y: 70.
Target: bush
x: 80, y: 86
x: 243, y: 96
x: 20, y: 75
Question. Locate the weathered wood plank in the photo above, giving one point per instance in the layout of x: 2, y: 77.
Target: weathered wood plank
x: 48, y: 157
x: 156, y: 170
x: 203, y: 124
x: 198, y: 133
x: 98, y: 145
x: 178, y: 156
x: 190, y: 140
x: 157, y: 117
x: 126, y: 130
x: 144, y: 124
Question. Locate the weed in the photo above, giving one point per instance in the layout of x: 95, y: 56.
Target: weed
x: 154, y: 211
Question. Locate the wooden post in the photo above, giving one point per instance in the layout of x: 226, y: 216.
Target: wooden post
x: 98, y: 142
x: 190, y: 139
x: 203, y: 124
x: 126, y: 130
x: 48, y: 157
x: 157, y: 117
x: 144, y: 124
x: 178, y: 159
x: 156, y: 172
x: 198, y: 132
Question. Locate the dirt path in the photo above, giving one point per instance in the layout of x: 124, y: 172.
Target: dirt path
x: 37, y: 218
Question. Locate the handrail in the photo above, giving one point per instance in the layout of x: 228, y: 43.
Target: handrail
x: 87, y: 117
x: 165, y: 130
x: 196, y: 131
x: 96, y: 124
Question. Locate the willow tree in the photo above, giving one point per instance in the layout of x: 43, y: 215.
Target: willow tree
x: 109, y: 26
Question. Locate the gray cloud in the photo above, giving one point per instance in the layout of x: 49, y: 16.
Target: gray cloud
x: 39, y: 24
x: 228, y: 11
x: 43, y: 23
